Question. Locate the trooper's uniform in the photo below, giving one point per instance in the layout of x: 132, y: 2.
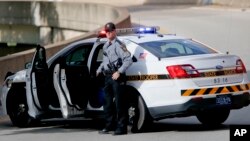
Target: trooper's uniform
x: 114, y: 52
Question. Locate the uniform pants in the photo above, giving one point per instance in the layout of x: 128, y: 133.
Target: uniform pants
x: 115, y: 104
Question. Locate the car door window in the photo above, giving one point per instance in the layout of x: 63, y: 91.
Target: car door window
x: 40, y: 59
x: 100, y: 55
x: 78, y: 57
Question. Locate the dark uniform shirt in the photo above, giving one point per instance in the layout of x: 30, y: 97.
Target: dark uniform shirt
x: 112, y: 51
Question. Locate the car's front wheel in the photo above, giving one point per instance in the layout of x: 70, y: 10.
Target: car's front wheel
x: 139, y: 118
x: 213, y: 117
x: 18, y: 111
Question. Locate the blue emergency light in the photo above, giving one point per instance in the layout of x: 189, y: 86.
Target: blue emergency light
x: 139, y: 30
x: 143, y: 30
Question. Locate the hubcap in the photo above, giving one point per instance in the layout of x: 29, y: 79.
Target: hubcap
x: 131, y: 114
x: 21, y: 109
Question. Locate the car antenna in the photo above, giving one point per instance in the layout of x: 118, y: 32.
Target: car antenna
x: 139, y: 36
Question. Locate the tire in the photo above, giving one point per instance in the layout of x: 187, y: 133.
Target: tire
x: 139, y: 118
x: 18, y: 111
x: 213, y: 117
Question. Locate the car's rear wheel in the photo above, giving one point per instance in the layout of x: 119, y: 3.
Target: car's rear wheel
x: 213, y: 117
x: 139, y: 118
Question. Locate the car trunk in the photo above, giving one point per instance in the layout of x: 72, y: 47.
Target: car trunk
x: 211, y: 69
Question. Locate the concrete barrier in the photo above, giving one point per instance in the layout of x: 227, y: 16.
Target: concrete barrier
x: 96, y: 15
x: 233, y: 3
x: 141, y: 2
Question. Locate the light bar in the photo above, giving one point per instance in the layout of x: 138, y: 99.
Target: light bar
x: 138, y: 30
x: 135, y: 30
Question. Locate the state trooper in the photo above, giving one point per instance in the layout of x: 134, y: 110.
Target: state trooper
x: 116, y: 60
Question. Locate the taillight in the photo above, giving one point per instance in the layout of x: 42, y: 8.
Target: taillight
x: 182, y: 71
x: 240, y: 67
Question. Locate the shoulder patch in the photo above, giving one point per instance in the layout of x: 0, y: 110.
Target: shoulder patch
x: 124, y: 48
x: 122, y: 45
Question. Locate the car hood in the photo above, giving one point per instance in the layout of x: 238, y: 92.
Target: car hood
x: 18, y: 76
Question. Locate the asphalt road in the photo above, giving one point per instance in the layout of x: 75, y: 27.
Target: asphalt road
x: 222, y: 28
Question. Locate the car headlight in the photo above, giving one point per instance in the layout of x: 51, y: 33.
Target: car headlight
x: 8, y: 82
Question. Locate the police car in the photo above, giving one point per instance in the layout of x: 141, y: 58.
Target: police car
x: 171, y: 76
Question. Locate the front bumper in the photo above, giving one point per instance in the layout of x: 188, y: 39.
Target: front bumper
x: 197, y: 104
x: 1, y: 109
x: 3, y: 98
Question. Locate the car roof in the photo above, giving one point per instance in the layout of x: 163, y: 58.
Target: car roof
x: 137, y: 38
x: 141, y: 38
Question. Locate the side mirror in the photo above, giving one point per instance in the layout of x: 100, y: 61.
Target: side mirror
x: 27, y: 65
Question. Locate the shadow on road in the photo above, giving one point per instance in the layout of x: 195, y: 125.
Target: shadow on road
x: 61, y: 126
x: 162, y: 127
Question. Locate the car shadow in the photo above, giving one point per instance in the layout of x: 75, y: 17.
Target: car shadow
x: 53, y: 126
x: 61, y: 126
x: 182, y: 127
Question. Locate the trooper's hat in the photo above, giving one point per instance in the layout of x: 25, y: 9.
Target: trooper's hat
x: 109, y: 27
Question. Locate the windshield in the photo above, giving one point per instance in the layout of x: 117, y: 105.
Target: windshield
x: 176, y: 47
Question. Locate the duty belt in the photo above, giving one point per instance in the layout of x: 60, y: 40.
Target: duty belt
x: 107, y: 72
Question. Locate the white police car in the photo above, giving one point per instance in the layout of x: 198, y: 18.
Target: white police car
x: 171, y: 76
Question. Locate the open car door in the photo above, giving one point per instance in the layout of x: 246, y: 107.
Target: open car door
x: 71, y: 80
x: 37, y: 81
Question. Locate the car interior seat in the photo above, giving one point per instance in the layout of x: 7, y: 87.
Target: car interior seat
x: 171, y: 52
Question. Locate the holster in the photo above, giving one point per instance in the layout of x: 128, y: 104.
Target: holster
x: 122, y: 78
